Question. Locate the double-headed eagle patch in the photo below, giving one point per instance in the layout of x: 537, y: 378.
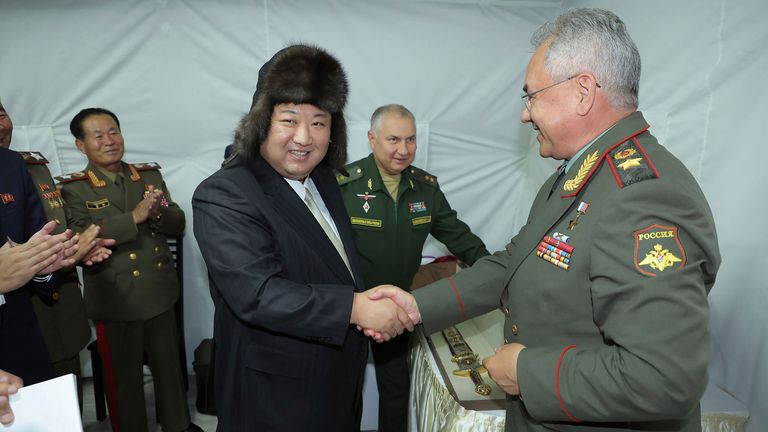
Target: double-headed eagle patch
x: 658, y: 249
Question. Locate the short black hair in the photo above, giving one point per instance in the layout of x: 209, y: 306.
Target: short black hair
x: 76, y: 125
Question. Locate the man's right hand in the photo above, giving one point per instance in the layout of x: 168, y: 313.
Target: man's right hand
x: 385, y: 316
x: 9, y: 384
x: 404, y: 300
x: 20, y: 262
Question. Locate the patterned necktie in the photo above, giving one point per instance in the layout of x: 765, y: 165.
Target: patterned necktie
x: 326, y: 227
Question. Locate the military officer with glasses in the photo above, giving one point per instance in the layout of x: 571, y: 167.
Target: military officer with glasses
x: 604, y: 289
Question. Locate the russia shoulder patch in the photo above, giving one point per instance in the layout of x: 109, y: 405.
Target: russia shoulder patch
x: 658, y: 249
x: 630, y: 164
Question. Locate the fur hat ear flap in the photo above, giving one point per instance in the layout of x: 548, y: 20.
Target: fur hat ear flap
x: 298, y: 74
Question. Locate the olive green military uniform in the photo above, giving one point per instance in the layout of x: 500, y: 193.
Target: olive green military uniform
x: 606, y: 285
x: 62, y: 319
x: 390, y: 235
x: 131, y: 295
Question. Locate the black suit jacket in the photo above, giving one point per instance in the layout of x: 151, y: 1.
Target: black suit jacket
x: 21, y: 215
x: 286, y: 357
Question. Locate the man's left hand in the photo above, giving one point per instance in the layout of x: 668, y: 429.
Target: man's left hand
x: 502, y: 367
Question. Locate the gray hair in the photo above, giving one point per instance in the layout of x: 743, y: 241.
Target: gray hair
x: 596, y: 41
x: 389, y: 109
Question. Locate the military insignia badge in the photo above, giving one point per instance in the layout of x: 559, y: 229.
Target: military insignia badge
x: 623, y: 154
x: 630, y: 164
x: 417, y: 207
x: 95, y: 205
x: 582, y: 209
x: 366, y: 197
x: 370, y: 184
x: 658, y: 249
x: 7, y: 198
x: 95, y: 181
x: 574, y: 183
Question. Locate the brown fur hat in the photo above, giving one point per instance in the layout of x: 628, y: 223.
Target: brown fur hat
x: 297, y: 74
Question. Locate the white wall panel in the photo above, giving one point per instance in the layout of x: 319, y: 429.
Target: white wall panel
x: 180, y: 74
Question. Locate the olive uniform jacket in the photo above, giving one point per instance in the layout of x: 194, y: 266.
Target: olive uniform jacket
x: 606, y: 285
x: 286, y: 357
x: 138, y: 281
x: 62, y: 318
x: 390, y: 234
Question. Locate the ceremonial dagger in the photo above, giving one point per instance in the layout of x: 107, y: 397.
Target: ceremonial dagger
x: 468, y: 361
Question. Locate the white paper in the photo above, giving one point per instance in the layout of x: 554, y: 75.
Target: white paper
x: 47, y: 406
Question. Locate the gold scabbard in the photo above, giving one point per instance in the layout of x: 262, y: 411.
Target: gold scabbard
x: 468, y: 361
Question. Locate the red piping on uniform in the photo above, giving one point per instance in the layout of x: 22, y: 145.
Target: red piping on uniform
x: 615, y: 174
x: 647, y: 159
x: 557, y: 385
x: 109, y: 375
x: 458, y: 298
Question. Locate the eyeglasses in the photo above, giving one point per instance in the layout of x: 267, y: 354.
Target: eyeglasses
x: 530, y: 96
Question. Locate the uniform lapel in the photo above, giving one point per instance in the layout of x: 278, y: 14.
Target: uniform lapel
x: 110, y: 190
x: 333, y: 201
x: 134, y: 189
x: 572, y: 186
x: 293, y: 210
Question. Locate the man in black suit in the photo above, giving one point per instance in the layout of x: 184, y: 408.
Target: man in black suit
x: 283, y: 272
x: 25, y: 267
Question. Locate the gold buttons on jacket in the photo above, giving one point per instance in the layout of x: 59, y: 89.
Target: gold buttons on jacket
x: 514, y: 329
x: 136, y: 273
x: 157, y: 249
x: 56, y: 296
x: 159, y: 265
x: 153, y: 234
x: 132, y: 256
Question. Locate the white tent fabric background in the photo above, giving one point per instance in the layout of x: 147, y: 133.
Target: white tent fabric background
x: 180, y: 74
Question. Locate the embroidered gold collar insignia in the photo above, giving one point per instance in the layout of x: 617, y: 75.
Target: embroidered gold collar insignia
x: 574, y: 183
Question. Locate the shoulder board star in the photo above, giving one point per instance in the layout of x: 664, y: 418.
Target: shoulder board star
x: 348, y: 174
x: 629, y: 163
x: 423, y: 176
x: 146, y: 166
x: 69, y: 178
x: 33, y: 158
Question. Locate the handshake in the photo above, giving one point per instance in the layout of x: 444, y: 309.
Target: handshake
x: 383, y: 312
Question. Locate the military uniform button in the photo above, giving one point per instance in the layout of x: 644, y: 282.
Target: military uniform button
x: 153, y: 234
x: 58, y: 222
x: 157, y: 249
x: 132, y: 256
x: 514, y: 329
x: 56, y: 296
x: 136, y: 273
x: 159, y: 265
